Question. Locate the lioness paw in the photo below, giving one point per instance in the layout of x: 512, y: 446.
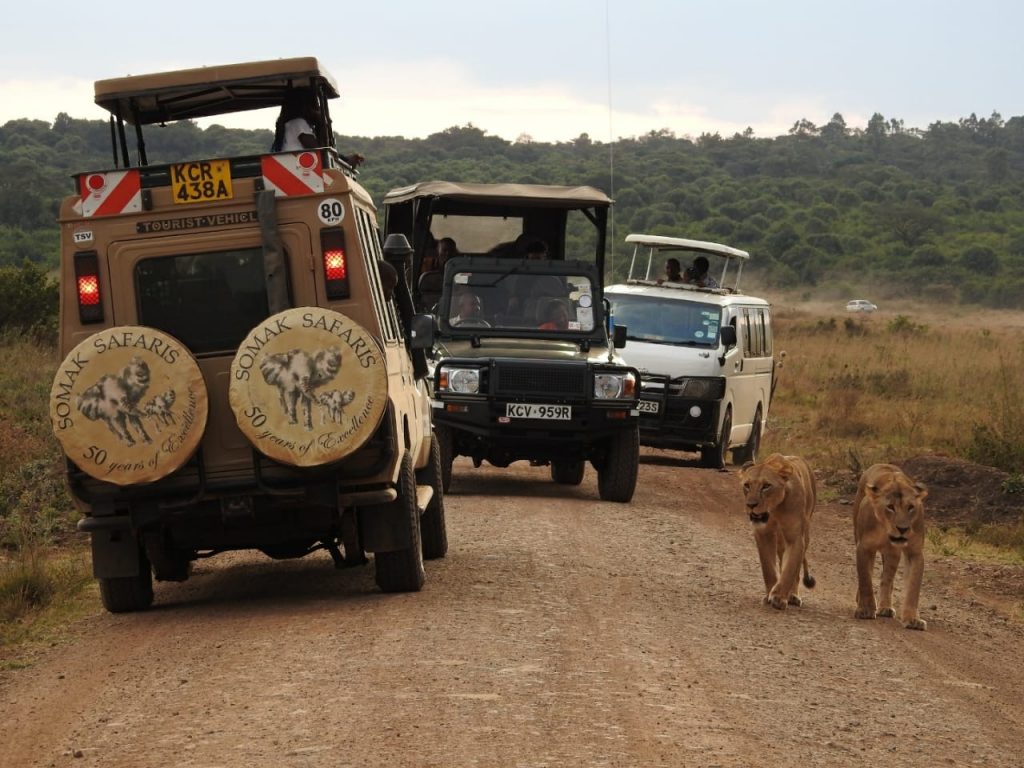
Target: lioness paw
x: 776, y: 602
x: 864, y: 613
x: 794, y: 600
x: 920, y: 624
x: 886, y: 613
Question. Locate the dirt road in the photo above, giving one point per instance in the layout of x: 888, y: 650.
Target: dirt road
x: 560, y: 631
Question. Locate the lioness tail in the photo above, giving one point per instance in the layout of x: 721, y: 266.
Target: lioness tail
x: 809, y: 580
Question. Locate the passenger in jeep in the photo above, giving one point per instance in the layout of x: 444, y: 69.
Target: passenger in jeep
x: 555, y: 316
x: 299, y: 121
x: 300, y: 125
x: 470, y: 309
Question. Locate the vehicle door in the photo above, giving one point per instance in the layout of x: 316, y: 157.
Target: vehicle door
x: 750, y: 372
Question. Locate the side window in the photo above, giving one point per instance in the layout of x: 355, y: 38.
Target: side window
x: 747, y: 331
x: 766, y: 314
x: 757, y: 345
x: 756, y: 332
x: 370, y: 241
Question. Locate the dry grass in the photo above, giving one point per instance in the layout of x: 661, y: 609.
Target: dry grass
x: 855, y: 390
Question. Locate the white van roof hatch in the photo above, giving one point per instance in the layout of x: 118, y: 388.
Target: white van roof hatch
x: 648, y: 270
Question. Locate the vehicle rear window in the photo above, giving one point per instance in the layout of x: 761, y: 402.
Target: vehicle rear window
x: 208, y: 301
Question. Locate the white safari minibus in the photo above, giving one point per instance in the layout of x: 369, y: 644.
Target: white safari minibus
x: 704, y: 349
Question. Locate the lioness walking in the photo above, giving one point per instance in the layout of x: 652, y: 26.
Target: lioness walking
x: 888, y: 517
x: 780, y: 497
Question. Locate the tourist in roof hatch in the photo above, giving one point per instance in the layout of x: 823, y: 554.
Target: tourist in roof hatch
x: 300, y: 125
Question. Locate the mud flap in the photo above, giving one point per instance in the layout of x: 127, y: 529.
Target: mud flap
x: 115, y: 554
x: 383, y: 528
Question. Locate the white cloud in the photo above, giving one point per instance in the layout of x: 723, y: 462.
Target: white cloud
x: 45, y: 99
x: 420, y: 97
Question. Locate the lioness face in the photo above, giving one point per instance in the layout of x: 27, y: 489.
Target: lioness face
x: 763, y: 489
x: 897, y: 506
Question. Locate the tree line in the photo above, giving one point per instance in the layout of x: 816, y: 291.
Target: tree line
x: 934, y: 213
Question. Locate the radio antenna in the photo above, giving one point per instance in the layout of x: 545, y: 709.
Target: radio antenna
x: 611, y: 138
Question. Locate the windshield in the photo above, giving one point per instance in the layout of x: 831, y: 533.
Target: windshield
x: 667, y: 321
x: 509, y: 300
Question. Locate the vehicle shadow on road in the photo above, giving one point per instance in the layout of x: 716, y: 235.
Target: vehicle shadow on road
x: 242, y: 583
x: 671, y: 459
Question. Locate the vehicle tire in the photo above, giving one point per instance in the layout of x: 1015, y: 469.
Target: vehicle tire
x: 616, y: 479
x: 300, y: 393
x: 433, y: 530
x: 568, y: 472
x: 124, y: 594
x: 713, y: 456
x: 114, y: 407
x: 446, y: 443
x: 748, y: 452
x: 402, y: 570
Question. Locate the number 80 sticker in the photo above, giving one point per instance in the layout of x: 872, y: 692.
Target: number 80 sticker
x: 330, y: 211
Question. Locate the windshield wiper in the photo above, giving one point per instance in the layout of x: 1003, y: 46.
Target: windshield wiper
x: 669, y: 342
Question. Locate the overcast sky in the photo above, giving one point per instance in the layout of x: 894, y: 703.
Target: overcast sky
x: 551, y: 69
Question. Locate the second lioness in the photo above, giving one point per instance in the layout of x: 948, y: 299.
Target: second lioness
x: 780, y: 495
x: 888, y: 517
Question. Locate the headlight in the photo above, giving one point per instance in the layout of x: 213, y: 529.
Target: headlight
x: 463, y: 381
x: 702, y: 389
x: 609, y: 386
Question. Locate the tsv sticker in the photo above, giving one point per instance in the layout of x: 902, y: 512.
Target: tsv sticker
x: 330, y: 211
x: 82, y: 236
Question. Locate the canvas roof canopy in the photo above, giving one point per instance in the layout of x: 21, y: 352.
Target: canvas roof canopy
x: 449, y: 195
x: 191, y: 93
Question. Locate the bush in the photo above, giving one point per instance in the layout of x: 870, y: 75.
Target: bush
x: 904, y: 326
x: 28, y: 301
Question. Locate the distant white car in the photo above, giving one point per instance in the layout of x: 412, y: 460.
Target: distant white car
x: 860, y: 305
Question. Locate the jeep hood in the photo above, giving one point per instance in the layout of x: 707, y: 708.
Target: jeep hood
x: 524, y: 349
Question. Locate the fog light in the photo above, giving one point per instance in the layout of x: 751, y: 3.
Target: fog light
x: 695, y: 411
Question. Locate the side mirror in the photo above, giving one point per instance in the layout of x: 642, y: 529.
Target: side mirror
x: 619, y: 336
x: 728, y: 336
x: 421, y: 335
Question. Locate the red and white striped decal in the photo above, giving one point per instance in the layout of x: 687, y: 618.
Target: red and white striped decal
x: 110, y: 193
x: 293, y: 173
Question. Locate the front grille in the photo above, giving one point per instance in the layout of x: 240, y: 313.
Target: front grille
x: 550, y: 379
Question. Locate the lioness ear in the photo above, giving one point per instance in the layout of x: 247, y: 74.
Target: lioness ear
x: 922, y: 490
x: 785, y: 469
x: 872, y: 490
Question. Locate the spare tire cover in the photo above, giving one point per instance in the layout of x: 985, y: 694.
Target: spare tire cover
x: 129, y: 405
x: 308, y: 386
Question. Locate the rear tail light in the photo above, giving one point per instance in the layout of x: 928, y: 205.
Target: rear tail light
x: 335, y: 261
x: 87, y: 283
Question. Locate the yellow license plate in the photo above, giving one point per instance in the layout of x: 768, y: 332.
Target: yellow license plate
x: 201, y: 182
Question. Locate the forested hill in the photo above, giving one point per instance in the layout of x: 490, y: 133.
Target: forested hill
x: 935, y: 212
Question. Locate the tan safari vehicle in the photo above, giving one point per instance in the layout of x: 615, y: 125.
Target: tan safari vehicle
x: 240, y: 370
